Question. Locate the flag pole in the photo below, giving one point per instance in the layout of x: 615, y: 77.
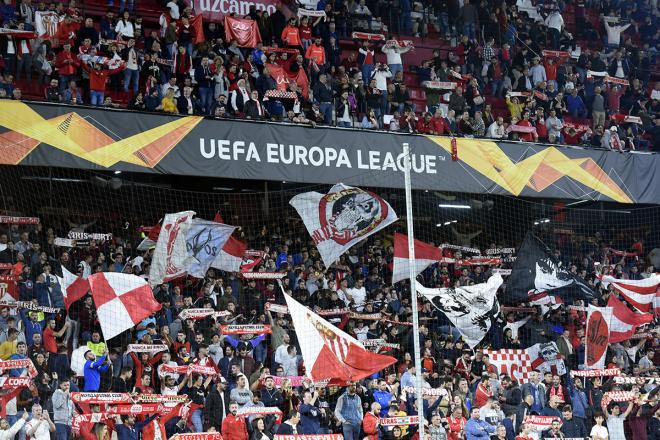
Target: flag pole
x: 413, y: 288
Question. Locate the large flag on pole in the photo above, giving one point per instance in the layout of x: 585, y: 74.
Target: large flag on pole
x: 73, y: 287
x: 537, y: 270
x: 425, y: 255
x: 641, y: 294
x: 472, y: 309
x: 122, y: 301
x: 624, y: 321
x: 204, y: 242
x: 598, y: 336
x: 171, y: 259
x: 342, y: 218
x: 230, y: 257
x: 329, y: 353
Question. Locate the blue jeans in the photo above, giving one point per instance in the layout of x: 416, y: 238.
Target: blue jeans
x: 259, y: 353
x: 198, y: 420
x: 206, y: 98
x: 470, y: 29
x: 122, y: 6
x: 344, y: 124
x: 62, y: 431
x: 351, y: 431
x: 326, y: 109
x: 367, y: 69
x: 497, y: 86
x: 405, y: 23
x: 97, y: 97
x: 131, y: 75
x: 64, y: 82
x: 394, y: 68
x: 443, y: 23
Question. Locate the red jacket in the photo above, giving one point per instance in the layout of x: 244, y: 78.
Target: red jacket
x: 370, y: 426
x: 64, y: 68
x: 97, y: 80
x: 424, y: 127
x: 233, y: 427
x: 440, y: 126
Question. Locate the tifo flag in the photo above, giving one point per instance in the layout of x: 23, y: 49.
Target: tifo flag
x: 425, y: 255
x: 624, y: 321
x: 341, y: 218
x: 278, y: 74
x: 537, y: 270
x: 122, y: 301
x: 171, y: 258
x: 46, y: 23
x: 204, y: 242
x: 329, y: 353
x: 230, y: 257
x: 598, y: 336
x: 73, y: 287
x: 512, y: 362
x: 641, y: 294
x: 472, y: 309
x: 545, y: 357
x: 243, y: 30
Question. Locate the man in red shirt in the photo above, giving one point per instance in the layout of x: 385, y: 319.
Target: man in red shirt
x: 440, y: 125
x: 527, y: 137
x: 50, y: 343
x: 67, y: 65
x: 315, y: 54
x: 97, y: 80
x: 426, y: 125
x: 233, y: 426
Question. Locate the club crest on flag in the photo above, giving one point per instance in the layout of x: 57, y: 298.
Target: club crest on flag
x: 349, y: 214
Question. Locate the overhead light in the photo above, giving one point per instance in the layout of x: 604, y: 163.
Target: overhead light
x: 578, y: 202
x: 117, y: 172
x: 446, y: 223
x: 454, y: 221
x: 438, y: 225
x: 547, y: 220
x: 222, y: 188
x: 54, y: 179
x: 443, y: 205
x: 536, y: 223
x: 620, y: 212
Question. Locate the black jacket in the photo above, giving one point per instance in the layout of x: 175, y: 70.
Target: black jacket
x: 214, y: 410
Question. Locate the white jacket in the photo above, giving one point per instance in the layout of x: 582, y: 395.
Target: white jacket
x: 127, y: 30
x: 11, y: 432
x: 381, y: 78
x: 394, y: 53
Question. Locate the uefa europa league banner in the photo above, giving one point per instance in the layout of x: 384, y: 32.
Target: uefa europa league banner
x: 55, y: 135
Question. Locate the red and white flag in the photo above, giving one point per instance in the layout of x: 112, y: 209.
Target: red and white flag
x: 598, y: 336
x: 624, y: 321
x: 73, y: 287
x: 641, y: 294
x: 329, y: 353
x: 342, y: 218
x: 425, y: 255
x: 171, y: 258
x: 243, y: 30
x: 122, y: 301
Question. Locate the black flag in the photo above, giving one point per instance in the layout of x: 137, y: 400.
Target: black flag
x: 537, y: 270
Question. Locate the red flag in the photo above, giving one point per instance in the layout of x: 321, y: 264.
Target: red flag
x: 198, y: 23
x: 598, y: 336
x: 243, y: 30
x: 425, y: 255
x: 625, y: 321
x: 73, y: 287
x: 279, y: 75
x: 329, y: 353
x: 8, y: 286
x: 300, y: 78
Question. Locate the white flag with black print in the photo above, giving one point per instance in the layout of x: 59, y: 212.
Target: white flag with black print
x: 472, y: 309
x: 342, y: 218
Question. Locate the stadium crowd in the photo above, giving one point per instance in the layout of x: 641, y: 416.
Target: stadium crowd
x: 467, y: 397
x: 594, y: 88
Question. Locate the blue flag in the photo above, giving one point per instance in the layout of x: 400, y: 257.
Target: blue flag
x: 204, y: 241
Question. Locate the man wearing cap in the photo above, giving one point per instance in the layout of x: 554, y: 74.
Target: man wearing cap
x: 216, y: 407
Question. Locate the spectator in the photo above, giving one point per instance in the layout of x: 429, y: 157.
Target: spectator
x: 348, y: 412
x: 393, y: 53
x: 97, y: 80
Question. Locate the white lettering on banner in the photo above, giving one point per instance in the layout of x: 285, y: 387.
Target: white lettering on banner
x: 227, y: 7
x: 316, y: 156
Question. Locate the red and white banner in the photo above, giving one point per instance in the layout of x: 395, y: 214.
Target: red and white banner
x: 198, y: 436
x: 399, y: 421
x: 122, y: 301
x: 247, y: 329
x: 146, y: 348
x: 617, y: 396
x: 162, y: 398
x: 263, y: 275
x: 259, y: 410
x: 425, y: 255
x: 19, y: 363
x: 73, y: 287
x: 185, y: 369
x: 540, y: 423
x: 46, y: 23
x: 11, y: 220
x: 109, y: 398
x: 440, y: 85
x: 343, y: 217
x: 556, y: 53
x: 514, y: 363
x: 276, y: 308
x: 597, y: 336
x: 615, y: 80
x: 310, y: 13
x: 435, y: 392
x: 80, y: 419
x: 596, y: 373
x: 399, y: 43
x: 28, y: 305
x: 170, y: 258
x: 202, y: 313
x: 136, y: 409
x: 328, y: 352
x: 14, y: 382
x: 367, y: 36
x: 625, y: 322
x: 216, y: 10
x: 309, y: 437
x: 17, y: 33
x: 243, y: 30
x: 546, y: 358
x: 641, y: 294
x: 637, y: 380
